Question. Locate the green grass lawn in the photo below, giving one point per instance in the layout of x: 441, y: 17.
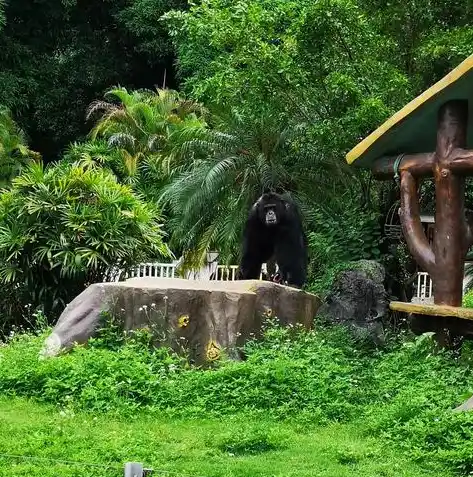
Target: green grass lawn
x: 301, y: 404
x: 229, y: 447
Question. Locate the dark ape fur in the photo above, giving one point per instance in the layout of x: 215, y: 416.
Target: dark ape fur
x: 274, y: 229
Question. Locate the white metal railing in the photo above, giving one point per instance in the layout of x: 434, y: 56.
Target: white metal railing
x: 424, y: 288
x: 229, y: 273
x: 158, y: 270
x: 168, y: 270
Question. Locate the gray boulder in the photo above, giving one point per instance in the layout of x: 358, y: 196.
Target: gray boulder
x: 359, y: 301
x: 465, y: 406
x: 207, y: 317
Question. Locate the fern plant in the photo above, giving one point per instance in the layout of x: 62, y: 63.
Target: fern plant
x: 14, y: 153
x: 232, y: 165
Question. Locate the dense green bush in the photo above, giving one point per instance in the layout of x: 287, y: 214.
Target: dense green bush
x: 64, y: 226
x: 14, y: 152
x: 403, y: 395
x: 340, y: 240
x: 281, y: 377
x: 287, y: 372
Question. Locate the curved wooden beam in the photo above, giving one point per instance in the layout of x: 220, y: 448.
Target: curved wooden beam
x: 422, y: 165
x: 419, y: 165
x: 461, y: 162
x: 412, y: 226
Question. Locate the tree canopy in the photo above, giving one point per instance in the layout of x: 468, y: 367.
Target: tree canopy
x: 60, y: 55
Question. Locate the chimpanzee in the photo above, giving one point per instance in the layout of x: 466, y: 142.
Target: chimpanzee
x: 274, y: 229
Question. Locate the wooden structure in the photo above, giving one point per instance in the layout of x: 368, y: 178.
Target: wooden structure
x: 423, y: 290
x: 429, y: 138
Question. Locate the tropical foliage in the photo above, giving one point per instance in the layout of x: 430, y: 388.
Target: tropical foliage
x: 264, y: 94
x: 310, y: 62
x: 14, y: 153
x: 140, y: 136
x: 63, y: 227
x: 60, y: 55
x: 233, y: 164
x: 295, y: 75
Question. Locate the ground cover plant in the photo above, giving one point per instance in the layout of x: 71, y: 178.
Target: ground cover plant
x: 394, y: 406
x: 205, y: 447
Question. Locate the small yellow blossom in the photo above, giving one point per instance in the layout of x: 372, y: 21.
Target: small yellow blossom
x: 213, y: 351
x: 183, y: 321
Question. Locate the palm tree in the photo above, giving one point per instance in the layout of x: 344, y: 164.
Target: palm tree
x: 14, y: 153
x: 141, y: 135
x: 233, y: 164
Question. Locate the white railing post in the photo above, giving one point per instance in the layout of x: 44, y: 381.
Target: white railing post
x: 168, y: 270
x: 424, y: 288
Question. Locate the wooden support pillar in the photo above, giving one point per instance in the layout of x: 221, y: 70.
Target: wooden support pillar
x: 450, y: 225
x: 448, y: 166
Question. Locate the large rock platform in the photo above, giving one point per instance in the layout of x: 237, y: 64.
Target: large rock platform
x: 211, y: 317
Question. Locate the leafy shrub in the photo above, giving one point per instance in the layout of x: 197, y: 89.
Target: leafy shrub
x: 468, y: 299
x: 64, y: 226
x: 14, y: 153
x: 355, y: 235
x: 338, y: 241
x: 403, y: 395
x: 416, y: 391
x: 285, y: 374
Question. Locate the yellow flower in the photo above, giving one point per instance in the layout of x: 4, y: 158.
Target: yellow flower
x: 183, y: 321
x: 268, y: 313
x: 213, y: 351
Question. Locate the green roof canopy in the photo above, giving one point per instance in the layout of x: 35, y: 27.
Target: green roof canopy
x: 413, y: 129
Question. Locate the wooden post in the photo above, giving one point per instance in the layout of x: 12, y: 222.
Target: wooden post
x: 450, y: 225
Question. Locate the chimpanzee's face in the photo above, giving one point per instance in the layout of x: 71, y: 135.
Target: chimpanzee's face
x: 271, y: 209
x: 270, y: 216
